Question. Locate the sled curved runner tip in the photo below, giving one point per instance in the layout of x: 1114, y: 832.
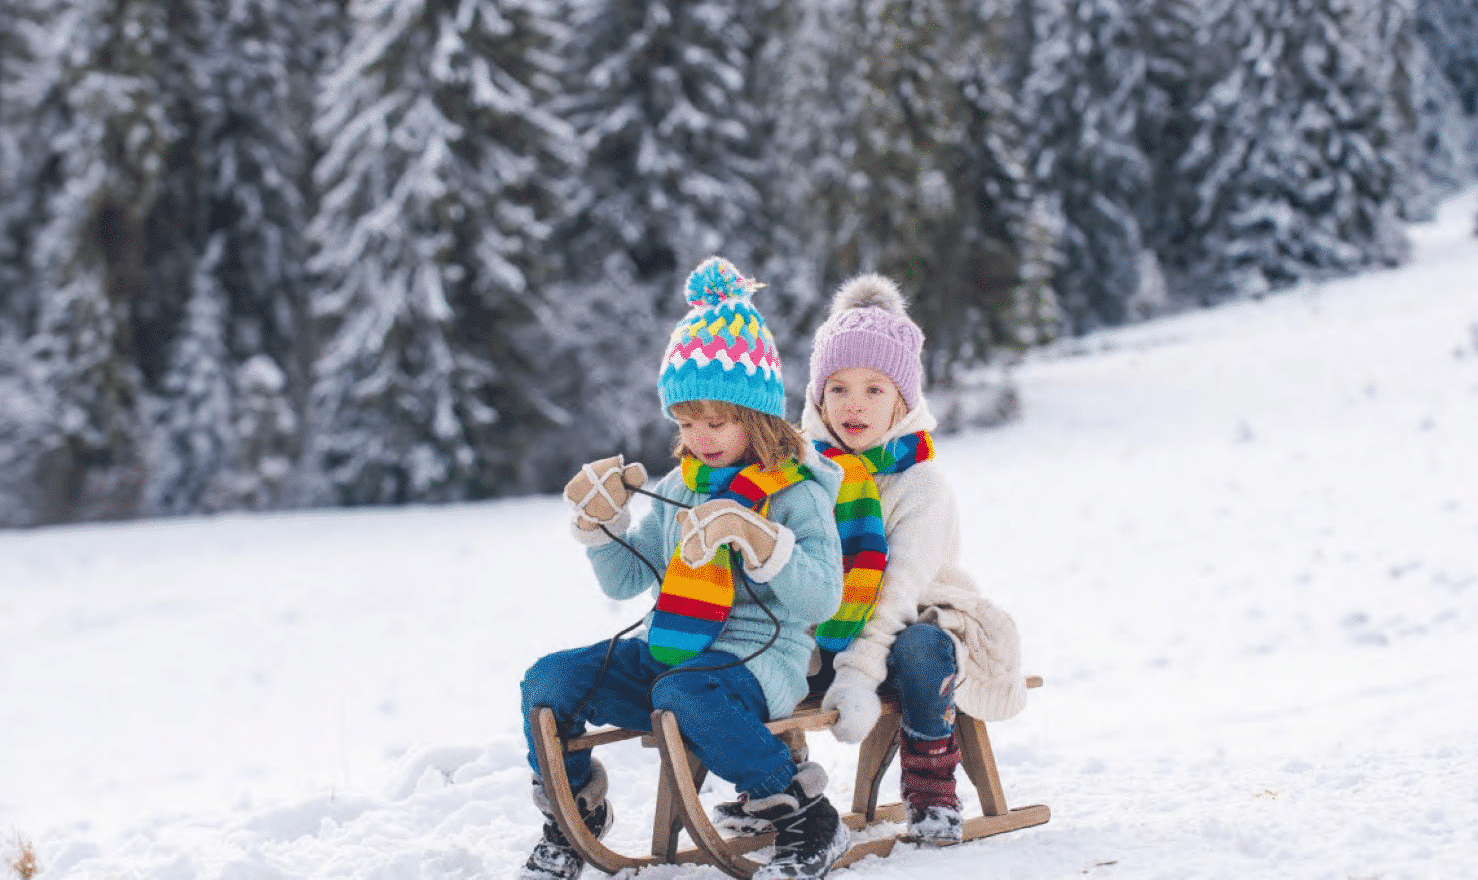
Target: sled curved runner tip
x: 551, y: 750
x: 681, y: 774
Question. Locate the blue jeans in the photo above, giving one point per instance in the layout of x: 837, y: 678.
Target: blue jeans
x: 921, y: 666
x: 722, y: 713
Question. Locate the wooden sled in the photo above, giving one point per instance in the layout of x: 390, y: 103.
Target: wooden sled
x: 679, y: 808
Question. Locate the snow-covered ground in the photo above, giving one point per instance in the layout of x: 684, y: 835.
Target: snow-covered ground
x: 1241, y: 545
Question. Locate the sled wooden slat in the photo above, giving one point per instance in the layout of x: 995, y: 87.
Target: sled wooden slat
x: 601, y: 737
x: 681, y: 774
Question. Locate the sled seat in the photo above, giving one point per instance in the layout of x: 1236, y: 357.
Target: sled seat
x: 681, y: 775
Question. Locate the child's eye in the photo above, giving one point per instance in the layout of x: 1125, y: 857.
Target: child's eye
x: 714, y: 426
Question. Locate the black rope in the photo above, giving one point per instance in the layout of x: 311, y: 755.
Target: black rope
x: 736, y: 568
x: 640, y: 491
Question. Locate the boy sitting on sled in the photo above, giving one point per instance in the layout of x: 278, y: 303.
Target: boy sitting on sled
x: 745, y: 559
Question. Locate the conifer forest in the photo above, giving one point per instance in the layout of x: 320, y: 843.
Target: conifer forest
x: 272, y: 254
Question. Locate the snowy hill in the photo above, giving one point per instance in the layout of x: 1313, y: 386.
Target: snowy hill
x: 1241, y: 545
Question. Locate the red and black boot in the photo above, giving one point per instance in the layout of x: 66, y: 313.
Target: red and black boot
x: 929, y: 789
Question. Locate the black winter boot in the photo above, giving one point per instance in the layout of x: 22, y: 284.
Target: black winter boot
x: 553, y: 858
x: 928, y: 784
x: 809, y: 835
x: 731, y: 817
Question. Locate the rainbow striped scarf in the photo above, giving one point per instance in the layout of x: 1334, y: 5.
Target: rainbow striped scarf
x: 694, y: 602
x: 859, y: 513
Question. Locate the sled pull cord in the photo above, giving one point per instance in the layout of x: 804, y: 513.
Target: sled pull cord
x: 743, y: 579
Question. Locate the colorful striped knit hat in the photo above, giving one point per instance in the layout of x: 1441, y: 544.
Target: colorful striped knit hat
x: 722, y: 349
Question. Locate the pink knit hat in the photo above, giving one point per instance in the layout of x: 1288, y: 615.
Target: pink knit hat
x: 868, y: 327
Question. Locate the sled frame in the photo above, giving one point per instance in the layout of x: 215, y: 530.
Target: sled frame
x: 681, y: 774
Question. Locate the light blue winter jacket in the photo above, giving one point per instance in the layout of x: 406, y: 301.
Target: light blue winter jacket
x: 806, y: 591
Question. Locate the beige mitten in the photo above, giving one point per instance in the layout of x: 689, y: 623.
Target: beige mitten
x: 714, y: 523
x: 601, y: 489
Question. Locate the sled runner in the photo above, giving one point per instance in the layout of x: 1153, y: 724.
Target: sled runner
x: 679, y: 808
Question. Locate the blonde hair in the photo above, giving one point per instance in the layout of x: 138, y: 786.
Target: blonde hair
x: 772, y: 440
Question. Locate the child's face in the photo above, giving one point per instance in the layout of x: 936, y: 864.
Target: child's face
x: 859, y: 404
x: 718, y: 442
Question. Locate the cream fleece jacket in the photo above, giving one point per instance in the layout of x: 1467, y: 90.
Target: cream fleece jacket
x: 925, y: 583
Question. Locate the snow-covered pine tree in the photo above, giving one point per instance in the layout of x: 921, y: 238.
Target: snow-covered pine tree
x: 1171, y: 33
x: 796, y: 299
x: 906, y: 163
x: 1012, y: 230
x: 439, y: 184
x: 662, y: 92
x: 1291, y: 181
x: 225, y: 433
x: 22, y: 25
x: 265, y: 428
x: 16, y: 32
x: 807, y: 156
x: 32, y: 111
x: 38, y: 480
x: 113, y: 254
x: 666, y: 98
x: 252, y: 74
x: 1450, y: 30
x: 1434, y: 145
x: 191, y: 415
x: 1084, y: 101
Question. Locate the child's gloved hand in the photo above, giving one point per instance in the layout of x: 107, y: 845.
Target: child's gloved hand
x: 858, y: 706
x: 601, y: 489
x: 714, y: 523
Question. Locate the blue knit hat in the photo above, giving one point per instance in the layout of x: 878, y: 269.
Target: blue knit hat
x: 722, y: 349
